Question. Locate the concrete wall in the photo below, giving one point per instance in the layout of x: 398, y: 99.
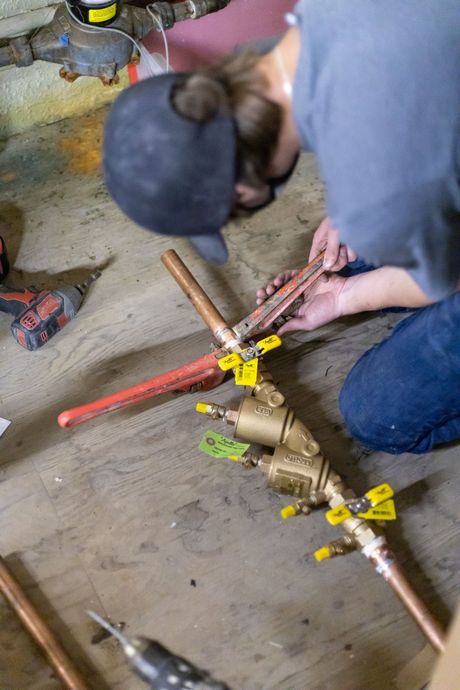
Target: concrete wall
x: 9, y: 8
x: 36, y: 94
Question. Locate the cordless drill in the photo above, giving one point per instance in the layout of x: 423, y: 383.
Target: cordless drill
x: 39, y: 314
x: 157, y: 666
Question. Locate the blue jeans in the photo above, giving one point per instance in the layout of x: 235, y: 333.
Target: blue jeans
x: 403, y: 395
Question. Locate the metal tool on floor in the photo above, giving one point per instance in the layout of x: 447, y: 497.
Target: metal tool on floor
x: 204, y: 373
x: 39, y: 314
x: 39, y: 631
x: 157, y: 666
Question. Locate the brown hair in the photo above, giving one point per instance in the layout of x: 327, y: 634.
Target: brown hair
x: 235, y: 86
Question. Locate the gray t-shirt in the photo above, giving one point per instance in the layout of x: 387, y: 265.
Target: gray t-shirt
x: 377, y: 97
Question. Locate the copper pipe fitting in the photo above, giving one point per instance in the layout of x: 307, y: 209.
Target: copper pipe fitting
x: 200, y: 300
x: 37, y: 628
x: 381, y: 556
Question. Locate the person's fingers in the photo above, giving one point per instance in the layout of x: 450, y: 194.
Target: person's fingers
x: 267, y: 291
x: 342, y: 259
x: 295, y: 324
x: 316, y: 248
x: 332, y: 249
x: 352, y: 256
x: 318, y: 244
x: 280, y: 279
x: 319, y: 241
x: 277, y: 282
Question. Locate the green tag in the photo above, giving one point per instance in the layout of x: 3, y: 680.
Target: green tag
x: 218, y: 446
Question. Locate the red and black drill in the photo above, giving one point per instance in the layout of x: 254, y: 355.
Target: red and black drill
x: 39, y: 314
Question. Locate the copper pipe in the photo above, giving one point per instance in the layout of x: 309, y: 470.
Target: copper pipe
x: 37, y: 628
x: 384, y: 561
x: 200, y: 300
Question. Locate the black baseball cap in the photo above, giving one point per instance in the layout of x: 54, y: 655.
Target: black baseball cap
x: 168, y: 173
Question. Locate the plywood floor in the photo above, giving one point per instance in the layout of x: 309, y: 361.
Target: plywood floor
x: 123, y: 513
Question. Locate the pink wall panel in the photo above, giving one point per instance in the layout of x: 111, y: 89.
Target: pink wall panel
x: 193, y: 43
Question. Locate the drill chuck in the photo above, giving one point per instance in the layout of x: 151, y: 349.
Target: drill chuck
x: 164, y: 670
x: 157, y: 666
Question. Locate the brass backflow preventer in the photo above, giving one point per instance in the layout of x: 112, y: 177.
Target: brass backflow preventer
x: 296, y: 466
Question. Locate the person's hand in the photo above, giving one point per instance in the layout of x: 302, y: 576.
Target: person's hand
x: 337, y: 255
x: 322, y: 303
x: 274, y: 284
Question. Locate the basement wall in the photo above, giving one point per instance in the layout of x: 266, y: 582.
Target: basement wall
x: 37, y: 94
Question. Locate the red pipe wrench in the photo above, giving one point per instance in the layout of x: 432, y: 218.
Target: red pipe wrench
x: 203, y: 373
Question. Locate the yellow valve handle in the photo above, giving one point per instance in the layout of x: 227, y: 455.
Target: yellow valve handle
x: 376, y: 496
x: 288, y: 512
x: 380, y: 494
x: 230, y: 361
x: 269, y: 343
x: 323, y: 553
x: 204, y: 408
x: 264, y: 345
x: 384, y: 511
x: 338, y: 514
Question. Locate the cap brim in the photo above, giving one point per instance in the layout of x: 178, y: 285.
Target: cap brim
x: 210, y: 247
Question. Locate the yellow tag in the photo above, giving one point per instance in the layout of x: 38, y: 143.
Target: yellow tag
x: 338, y: 514
x: 384, y: 511
x: 269, y: 343
x: 246, y: 373
x: 380, y: 494
x: 103, y: 14
x: 229, y: 361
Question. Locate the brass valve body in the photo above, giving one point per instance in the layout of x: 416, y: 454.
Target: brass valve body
x: 259, y: 422
x: 296, y: 468
x: 296, y: 474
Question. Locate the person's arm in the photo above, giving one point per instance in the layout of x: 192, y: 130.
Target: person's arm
x: 334, y: 296
x: 381, y: 288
